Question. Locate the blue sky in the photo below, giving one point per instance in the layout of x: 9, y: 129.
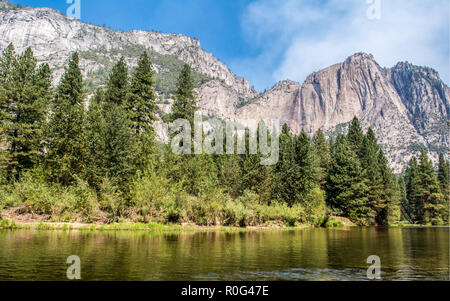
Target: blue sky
x: 267, y: 41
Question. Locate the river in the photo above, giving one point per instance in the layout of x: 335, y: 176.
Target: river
x: 309, y: 254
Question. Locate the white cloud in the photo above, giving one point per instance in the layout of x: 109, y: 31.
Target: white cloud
x: 298, y: 37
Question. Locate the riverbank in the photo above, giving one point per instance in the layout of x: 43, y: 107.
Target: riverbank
x: 15, y: 218
x: 11, y: 219
x: 13, y: 224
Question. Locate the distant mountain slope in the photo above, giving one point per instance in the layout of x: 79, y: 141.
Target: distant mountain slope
x: 407, y: 106
x: 54, y: 37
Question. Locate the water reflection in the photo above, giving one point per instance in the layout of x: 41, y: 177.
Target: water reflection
x: 312, y: 254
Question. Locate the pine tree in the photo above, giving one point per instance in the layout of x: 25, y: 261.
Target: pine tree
x: 142, y: 97
x: 412, y: 179
x: 95, y: 141
x: 297, y: 172
x: 346, y: 186
x: 142, y: 111
x: 305, y: 158
x: 285, y: 170
x: 230, y: 174
x: 184, y: 106
x: 286, y: 130
x: 322, y: 148
x: 389, y: 208
x: 24, y: 93
x: 443, y: 176
x: 118, y: 84
x: 120, y: 145
x: 355, y: 135
x: 372, y: 173
x: 403, y: 199
x: 432, y: 202
x: 65, y: 139
x: 7, y: 61
x: 255, y: 177
x: 113, y: 149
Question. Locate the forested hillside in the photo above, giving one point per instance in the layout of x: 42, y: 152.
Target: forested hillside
x: 68, y: 161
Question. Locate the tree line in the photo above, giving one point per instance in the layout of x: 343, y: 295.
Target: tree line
x: 99, y: 160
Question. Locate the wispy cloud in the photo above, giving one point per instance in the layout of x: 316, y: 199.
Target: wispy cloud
x: 297, y: 37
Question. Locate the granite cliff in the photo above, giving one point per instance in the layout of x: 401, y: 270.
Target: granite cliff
x: 407, y: 105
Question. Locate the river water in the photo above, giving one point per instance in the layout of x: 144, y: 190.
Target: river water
x: 310, y: 254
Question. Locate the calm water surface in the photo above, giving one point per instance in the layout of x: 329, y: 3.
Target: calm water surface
x: 312, y: 254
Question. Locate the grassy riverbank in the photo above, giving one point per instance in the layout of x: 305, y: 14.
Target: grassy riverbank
x: 7, y: 224
x: 40, y: 225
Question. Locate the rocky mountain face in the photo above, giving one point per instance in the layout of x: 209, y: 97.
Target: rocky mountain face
x: 360, y: 87
x: 407, y: 106
x: 53, y: 37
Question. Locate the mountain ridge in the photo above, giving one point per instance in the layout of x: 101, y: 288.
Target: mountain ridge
x: 406, y: 105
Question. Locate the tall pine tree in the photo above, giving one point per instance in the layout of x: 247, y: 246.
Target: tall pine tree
x: 346, y: 185
x: 443, y: 176
x: 142, y: 96
x: 432, y: 202
x: 305, y: 158
x: 322, y: 148
x: 185, y: 103
x: 65, y: 159
x: 355, y: 135
x: 24, y: 94
x: 118, y: 84
x: 142, y: 108
x: 413, y: 193
x: 112, y: 141
x: 286, y: 170
x: 372, y: 172
x: 389, y: 208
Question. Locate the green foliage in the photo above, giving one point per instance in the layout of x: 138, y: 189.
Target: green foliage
x: 315, y: 207
x: 151, y: 194
x: 443, y: 176
x: 114, y: 145
x: 322, y: 149
x: 141, y: 99
x: 24, y: 93
x: 103, y: 163
x: 230, y: 174
x: 169, y: 67
x: 196, y: 174
x: 425, y: 201
x: 65, y: 139
x: 334, y: 224
x: 347, y: 188
x: 254, y: 176
x: 298, y: 171
x: 355, y: 135
x: 118, y: 84
x: 33, y: 194
x: 185, y: 103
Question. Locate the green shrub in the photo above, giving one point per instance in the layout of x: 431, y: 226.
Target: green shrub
x: 437, y: 221
x: 83, y: 198
x: 34, y: 193
x: 151, y: 195
x: 237, y: 214
x: 4, y: 224
x: 334, y: 224
x: 315, y: 207
x: 110, y: 198
x: 282, y: 213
